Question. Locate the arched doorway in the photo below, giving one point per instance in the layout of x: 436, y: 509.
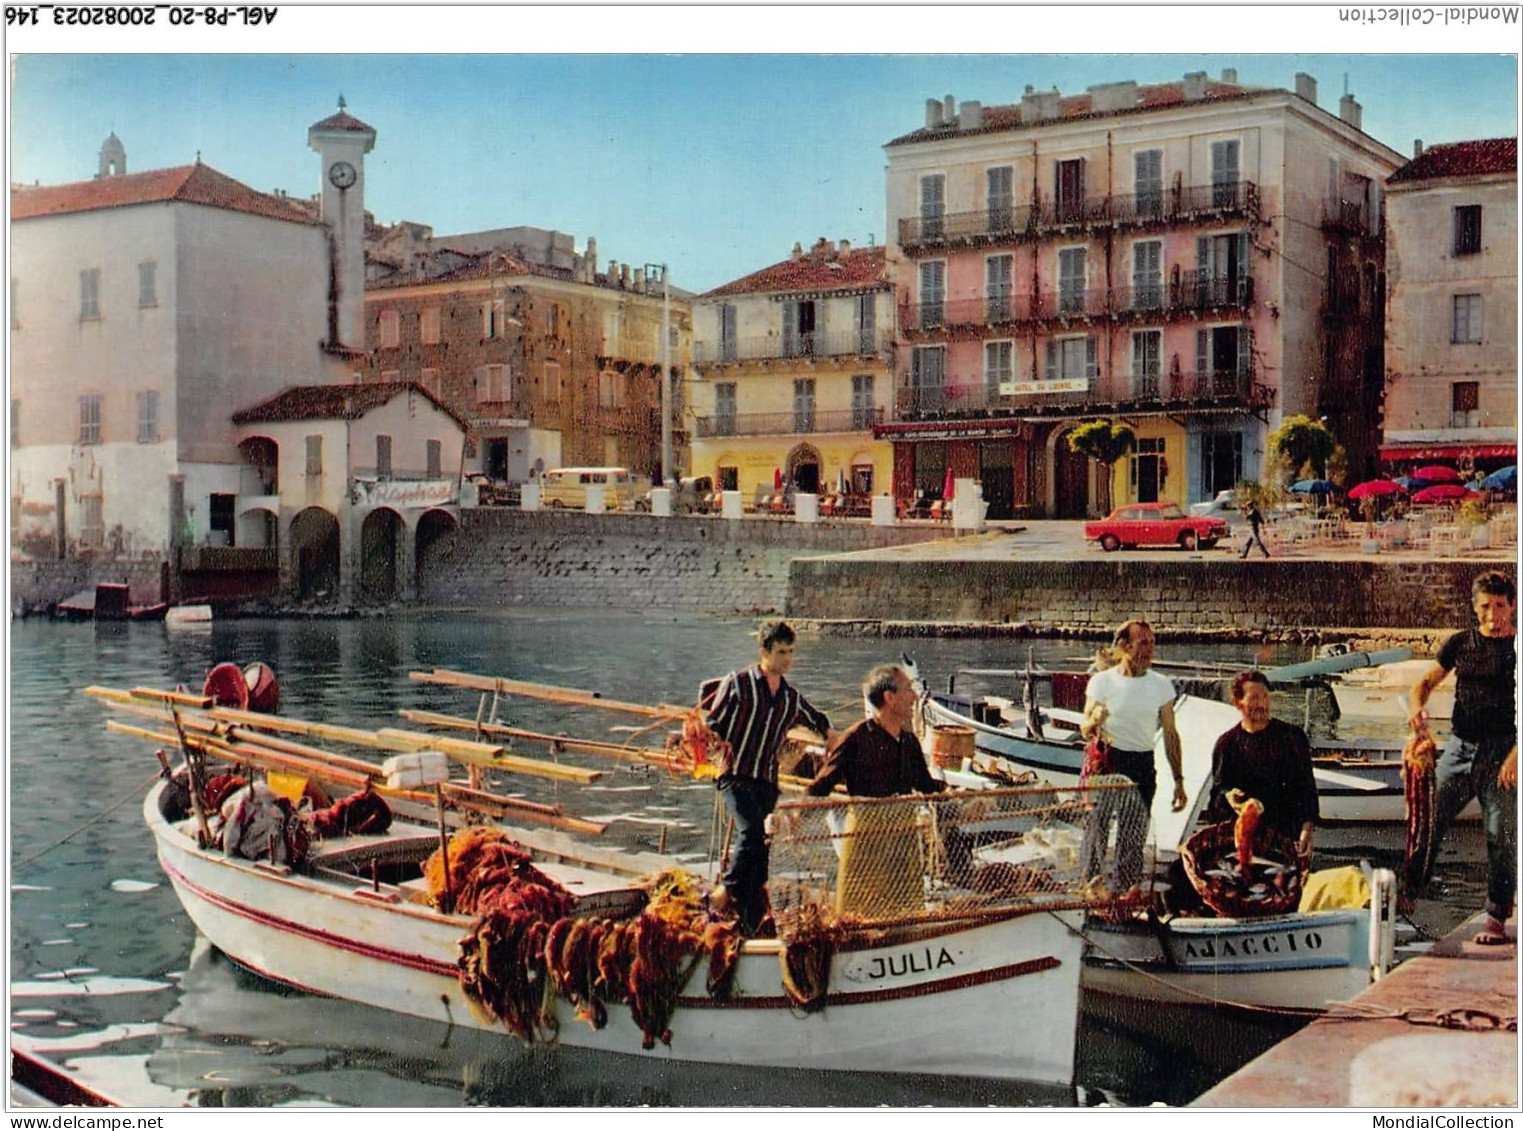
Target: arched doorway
x: 1070, y: 478
x: 380, y: 535
x: 315, y: 553
x: 804, y: 468
x: 430, y: 539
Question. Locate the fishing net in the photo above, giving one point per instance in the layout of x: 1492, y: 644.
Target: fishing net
x: 1419, y: 778
x: 841, y: 865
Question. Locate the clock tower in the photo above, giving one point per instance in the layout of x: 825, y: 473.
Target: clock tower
x: 342, y: 142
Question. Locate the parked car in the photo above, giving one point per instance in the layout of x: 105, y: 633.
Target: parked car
x: 693, y: 495
x: 1155, y: 524
x: 1224, y: 506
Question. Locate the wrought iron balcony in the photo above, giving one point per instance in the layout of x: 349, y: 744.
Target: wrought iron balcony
x: 1350, y: 216
x: 1177, y: 204
x: 798, y: 422
x: 816, y: 344
x: 1186, y: 293
x: 1180, y: 390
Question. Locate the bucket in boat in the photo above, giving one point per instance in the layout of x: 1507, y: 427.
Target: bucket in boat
x: 950, y: 745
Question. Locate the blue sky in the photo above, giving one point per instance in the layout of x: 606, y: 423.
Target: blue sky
x: 715, y: 164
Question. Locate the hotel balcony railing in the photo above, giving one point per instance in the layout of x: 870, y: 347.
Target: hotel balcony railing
x: 1191, y: 291
x: 788, y: 423
x: 1165, y: 205
x: 835, y: 343
x: 1351, y: 216
x: 1182, y: 389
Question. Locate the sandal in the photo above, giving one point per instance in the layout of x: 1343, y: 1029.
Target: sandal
x: 1492, y: 934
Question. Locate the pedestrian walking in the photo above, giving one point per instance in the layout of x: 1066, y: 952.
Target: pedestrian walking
x: 1255, y: 520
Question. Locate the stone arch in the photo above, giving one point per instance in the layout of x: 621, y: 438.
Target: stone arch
x: 805, y: 468
x: 315, y: 546
x: 433, y: 529
x: 380, y: 538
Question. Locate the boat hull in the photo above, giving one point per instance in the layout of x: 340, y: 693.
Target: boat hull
x: 1294, y: 962
x: 998, y: 1000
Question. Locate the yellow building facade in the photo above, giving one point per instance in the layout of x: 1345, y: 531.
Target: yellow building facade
x: 792, y: 370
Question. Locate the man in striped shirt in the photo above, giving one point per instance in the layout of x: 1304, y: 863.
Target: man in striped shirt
x: 752, y: 710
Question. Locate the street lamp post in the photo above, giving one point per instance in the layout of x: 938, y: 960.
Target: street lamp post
x: 666, y: 381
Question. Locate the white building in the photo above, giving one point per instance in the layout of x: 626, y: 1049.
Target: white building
x: 146, y: 308
x: 360, y: 477
x: 1452, y: 307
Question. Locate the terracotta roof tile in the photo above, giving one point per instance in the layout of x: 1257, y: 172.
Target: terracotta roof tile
x: 1461, y: 159
x: 485, y: 265
x: 823, y: 270
x: 343, y: 121
x: 331, y: 402
x: 190, y: 184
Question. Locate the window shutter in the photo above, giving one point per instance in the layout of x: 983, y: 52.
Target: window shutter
x: 1244, y: 350
x: 1091, y: 357
x: 1052, y: 360
x: 1202, y: 351
x: 1203, y: 255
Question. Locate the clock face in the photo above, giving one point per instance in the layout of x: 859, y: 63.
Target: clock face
x: 341, y: 174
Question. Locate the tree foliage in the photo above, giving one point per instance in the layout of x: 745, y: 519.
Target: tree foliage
x: 1300, y: 441
x: 1104, y: 442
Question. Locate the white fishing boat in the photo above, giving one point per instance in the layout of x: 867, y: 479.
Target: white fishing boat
x: 917, y: 968
x: 1384, y: 693
x: 1297, y: 961
x: 930, y: 997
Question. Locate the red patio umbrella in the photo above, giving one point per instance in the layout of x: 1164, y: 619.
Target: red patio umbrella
x: 777, y: 479
x: 1438, y: 473
x: 1374, y: 487
x: 946, y: 486
x: 1444, y: 493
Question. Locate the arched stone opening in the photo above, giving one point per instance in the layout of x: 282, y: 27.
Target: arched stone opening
x: 315, y: 545
x: 380, y: 537
x: 804, y: 468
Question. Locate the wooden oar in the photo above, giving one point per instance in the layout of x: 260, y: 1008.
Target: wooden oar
x: 253, y: 754
x: 570, y: 696
x: 622, y: 752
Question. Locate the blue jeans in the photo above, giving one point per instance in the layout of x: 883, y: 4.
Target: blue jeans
x: 1468, y: 770
x: 749, y: 802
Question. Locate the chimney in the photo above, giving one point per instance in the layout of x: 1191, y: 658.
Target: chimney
x: 845, y: 247
x: 592, y: 249
x: 1195, y: 86
x: 1107, y: 98
x: 624, y: 275
x: 640, y: 279
x: 971, y: 117
x: 1039, y: 107
x: 1350, y: 111
x: 1229, y: 74
x: 1306, y: 87
x: 798, y: 250
x: 948, y: 108
x: 932, y: 112
x: 1417, y: 149
x: 613, y: 270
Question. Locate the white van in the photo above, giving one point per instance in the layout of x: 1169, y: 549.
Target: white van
x: 567, y: 487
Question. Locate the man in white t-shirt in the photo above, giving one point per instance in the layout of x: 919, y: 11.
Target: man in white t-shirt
x: 1127, y: 705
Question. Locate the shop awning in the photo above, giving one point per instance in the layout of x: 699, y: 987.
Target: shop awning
x: 1448, y: 451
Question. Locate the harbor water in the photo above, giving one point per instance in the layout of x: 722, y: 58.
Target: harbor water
x: 107, y: 973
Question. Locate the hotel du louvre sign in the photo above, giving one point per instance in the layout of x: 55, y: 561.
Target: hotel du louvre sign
x: 1056, y: 385
x: 405, y: 494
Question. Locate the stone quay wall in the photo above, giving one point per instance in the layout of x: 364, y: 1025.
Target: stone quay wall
x: 37, y: 586
x: 1249, y: 600
x: 501, y: 556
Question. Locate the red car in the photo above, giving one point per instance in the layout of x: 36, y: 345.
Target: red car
x: 1154, y: 524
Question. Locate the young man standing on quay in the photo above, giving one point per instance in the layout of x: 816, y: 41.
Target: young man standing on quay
x: 753, y: 709
x: 1480, y: 759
